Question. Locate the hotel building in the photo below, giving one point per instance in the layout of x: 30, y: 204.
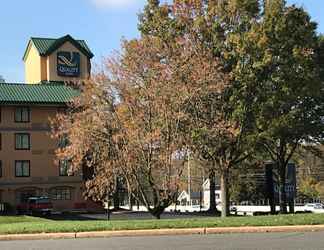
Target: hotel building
x: 27, y: 151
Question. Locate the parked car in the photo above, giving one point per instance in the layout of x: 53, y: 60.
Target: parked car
x: 35, y: 205
x: 314, y: 207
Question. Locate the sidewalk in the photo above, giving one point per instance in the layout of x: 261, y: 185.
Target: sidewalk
x: 160, y: 232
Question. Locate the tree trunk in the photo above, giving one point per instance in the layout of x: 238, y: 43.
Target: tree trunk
x: 116, y: 194
x: 157, y: 211
x: 282, y: 188
x: 108, y: 210
x: 270, y: 188
x: 130, y: 201
x: 291, y: 207
x: 116, y: 200
x: 212, y: 188
x: 224, y: 193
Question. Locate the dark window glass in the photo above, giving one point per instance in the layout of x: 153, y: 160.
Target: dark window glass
x: 22, y: 168
x: 22, y: 114
x: 0, y: 168
x: 61, y: 194
x: 22, y: 141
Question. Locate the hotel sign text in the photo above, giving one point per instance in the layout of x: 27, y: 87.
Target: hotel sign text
x: 68, y: 64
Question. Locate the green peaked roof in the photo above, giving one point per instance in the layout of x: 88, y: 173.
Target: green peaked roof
x: 46, y: 46
x: 45, y: 93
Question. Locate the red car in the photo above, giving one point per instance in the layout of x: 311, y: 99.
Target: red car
x: 36, y: 205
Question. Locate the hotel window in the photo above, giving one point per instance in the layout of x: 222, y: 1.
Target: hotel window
x: 22, y: 168
x: 61, y: 193
x: 64, y: 168
x: 22, y: 141
x: 22, y: 114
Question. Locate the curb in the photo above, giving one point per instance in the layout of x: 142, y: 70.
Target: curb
x: 263, y: 229
x: 40, y: 236
x: 161, y: 232
x: 151, y: 232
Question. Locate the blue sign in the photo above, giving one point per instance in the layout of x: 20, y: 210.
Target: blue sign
x: 273, y: 183
x: 68, y: 64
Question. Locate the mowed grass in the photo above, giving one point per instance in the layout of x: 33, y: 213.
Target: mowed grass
x: 26, y: 224
x: 21, y: 219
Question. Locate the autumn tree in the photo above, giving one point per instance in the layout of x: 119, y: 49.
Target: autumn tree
x: 165, y: 81
x: 129, y: 120
x: 84, y: 131
x: 134, y: 137
x: 148, y: 116
x: 221, y: 121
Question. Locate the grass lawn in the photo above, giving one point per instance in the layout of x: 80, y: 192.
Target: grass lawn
x: 4, y: 220
x: 26, y: 224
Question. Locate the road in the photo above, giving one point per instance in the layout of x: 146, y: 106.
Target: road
x: 268, y: 241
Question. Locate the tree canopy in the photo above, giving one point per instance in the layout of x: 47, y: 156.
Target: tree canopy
x: 225, y: 79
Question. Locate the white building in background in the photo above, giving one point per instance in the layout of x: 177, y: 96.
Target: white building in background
x: 195, y: 198
x: 206, y: 193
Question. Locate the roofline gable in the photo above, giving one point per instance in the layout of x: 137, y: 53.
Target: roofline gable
x: 59, y: 42
x: 27, y: 50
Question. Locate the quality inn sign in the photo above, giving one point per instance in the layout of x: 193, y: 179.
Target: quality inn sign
x: 68, y: 64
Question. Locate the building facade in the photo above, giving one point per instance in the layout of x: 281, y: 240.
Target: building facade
x: 28, y: 166
x: 62, y: 59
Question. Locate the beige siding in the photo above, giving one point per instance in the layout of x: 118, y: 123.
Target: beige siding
x: 33, y: 67
x: 44, y: 172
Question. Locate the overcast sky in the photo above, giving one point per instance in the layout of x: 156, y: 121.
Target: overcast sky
x: 102, y: 23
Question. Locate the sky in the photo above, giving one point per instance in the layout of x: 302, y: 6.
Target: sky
x: 102, y: 23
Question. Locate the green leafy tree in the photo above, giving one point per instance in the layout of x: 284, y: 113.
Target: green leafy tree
x: 249, y: 183
x: 289, y: 110
x: 309, y: 189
